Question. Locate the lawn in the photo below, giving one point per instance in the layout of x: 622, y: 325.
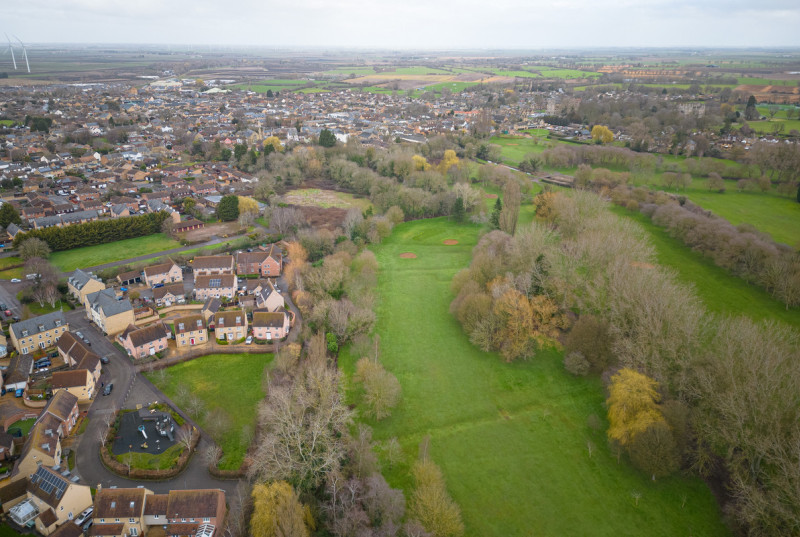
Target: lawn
x: 60, y: 305
x: 149, y: 461
x: 720, y: 291
x: 90, y: 256
x: 230, y: 382
x: 24, y: 425
x: 6, y: 270
x: 510, y: 438
x: 770, y: 126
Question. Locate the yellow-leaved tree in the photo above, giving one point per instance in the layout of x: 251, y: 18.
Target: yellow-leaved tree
x: 602, y: 134
x: 277, y: 511
x: 274, y: 142
x: 448, y: 161
x: 431, y: 504
x: 632, y: 405
x: 420, y: 163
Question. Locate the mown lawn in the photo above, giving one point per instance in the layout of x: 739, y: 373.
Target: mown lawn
x: 90, y: 256
x: 24, y: 425
x: 720, y: 291
x: 149, y: 461
x: 231, y: 382
x: 510, y: 438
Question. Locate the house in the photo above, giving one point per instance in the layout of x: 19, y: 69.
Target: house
x: 119, y: 512
x: 61, y: 412
x: 215, y: 286
x: 43, y: 448
x: 210, y: 308
x: 78, y: 382
x: 83, y: 283
x: 190, y: 330
x: 169, y: 294
x: 57, y: 499
x: 76, y: 354
x: 212, y: 264
x: 129, y: 278
x: 112, y: 316
x: 270, y: 325
x: 18, y: 373
x: 141, y: 342
x: 230, y: 325
x: 42, y: 331
x: 269, y: 298
x: 168, y: 272
x: 265, y: 264
x: 189, y: 510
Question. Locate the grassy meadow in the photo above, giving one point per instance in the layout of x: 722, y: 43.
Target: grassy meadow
x: 100, y: 254
x: 230, y: 382
x: 511, y: 438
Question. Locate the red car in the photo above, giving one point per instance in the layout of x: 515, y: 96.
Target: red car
x: 8, y: 313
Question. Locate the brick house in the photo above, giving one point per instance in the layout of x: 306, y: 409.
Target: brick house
x: 141, y: 342
x: 270, y: 325
x: 265, y: 264
x: 213, y: 264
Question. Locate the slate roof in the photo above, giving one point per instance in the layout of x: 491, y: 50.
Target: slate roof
x: 106, y: 301
x: 80, y: 278
x: 32, y: 325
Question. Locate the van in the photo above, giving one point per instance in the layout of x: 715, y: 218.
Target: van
x: 31, y: 276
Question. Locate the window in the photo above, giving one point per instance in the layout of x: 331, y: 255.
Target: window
x: 131, y: 520
x: 206, y: 520
x: 134, y: 531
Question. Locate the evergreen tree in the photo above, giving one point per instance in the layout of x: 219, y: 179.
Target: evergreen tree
x: 494, y: 220
x: 8, y: 214
x: 458, y: 209
x: 327, y: 138
x: 228, y: 208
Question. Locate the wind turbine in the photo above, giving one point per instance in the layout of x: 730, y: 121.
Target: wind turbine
x: 11, y: 50
x: 24, y: 52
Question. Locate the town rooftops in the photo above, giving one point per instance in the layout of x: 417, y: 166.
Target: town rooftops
x: 69, y: 379
x: 174, y: 289
x: 156, y: 504
x: 200, y: 503
x: 106, y: 301
x: 62, y: 403
x: 188, y: 323
x: 80, y: 278
x: 213, y: 262
x: 118, y: 503
x: 225, y: 319
x: 37, y: 325
x: 268, y: 319
x: 215, y: 281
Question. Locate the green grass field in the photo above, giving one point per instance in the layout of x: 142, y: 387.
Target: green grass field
x: 231, y: 382
x: 769, y: 126
x: 148, y: 461
x: 720, y: 291
x: 24, y: 425
x: 767, y: 82
x: 100, y: 254
x: 510, y: 438
x: 6, y: 272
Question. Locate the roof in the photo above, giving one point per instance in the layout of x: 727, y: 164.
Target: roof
x: 200, y: 503
x: 37, y: 325
x: 215, y: 281
x: 268, y: 319
x: 19, y: 369
x: 187, y: 529
x: 130, y: 275
x: 246, y: 258
x: 67, y: 529
x: 13, y: 490
x: 224, y: 319
x: 48, y: 485
x: 80, y: 278
x: 174, y: 289
x: 105, y: 529
x: 119, y: 503
x: 106, y: 301
x: 48, y: 518
x: 206, y: 262
x: 70, y: 379
x: 212, y: 305
x: 143, y: 336
x: 189, y: 323
x: 161, y: 268
x: 156, y: 504
x: 43, y: 436
x: 61, y: 404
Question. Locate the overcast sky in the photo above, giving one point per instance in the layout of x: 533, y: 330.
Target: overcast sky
x: 416, y: 24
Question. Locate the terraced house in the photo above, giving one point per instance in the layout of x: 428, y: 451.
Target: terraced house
x: 215, y: 286
x: 38, y: 332
x: 213, y: 264
x: 146, y: 341
x: 81, y: 284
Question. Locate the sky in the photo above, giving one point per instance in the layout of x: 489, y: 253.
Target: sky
x: 409, y: 24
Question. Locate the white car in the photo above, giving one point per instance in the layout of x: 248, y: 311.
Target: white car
x: 249, y: 340
x: 15, y: 280
x: 84, y: 515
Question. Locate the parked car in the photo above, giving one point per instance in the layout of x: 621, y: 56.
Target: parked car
x: 15, y: 280
x: 249, y: 340
x: 108, y: 388
x: 123, y: 289
x: 42, y: 362
x: 8, y: 313
x: 84, y: 516
x: 19, y: 392
x: 15, y: 318
x: 3, y: 306
x: 88, y: 525
x: 80, y: 336
x: 104, y: 360
x: 158, y: 285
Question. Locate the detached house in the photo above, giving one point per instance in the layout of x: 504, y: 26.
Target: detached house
x: 270, y: 325
x: 215, y: 286
x: 112, y: 316
x: 265, y: 264
x: 169, y: 294
x: 230, y: 325
x: 119, y: 512
x: 42, y: 332
x: 213, y: 264
x: 190, y: 330
x: 56, y: 499
x: 83, y: 283
x: 78, y: 382
x: 168, y: 272
x: 141, y: 342
x: 269, y: 298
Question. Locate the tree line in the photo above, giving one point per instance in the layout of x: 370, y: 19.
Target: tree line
x: 96, y: 232
x: 712, y: 395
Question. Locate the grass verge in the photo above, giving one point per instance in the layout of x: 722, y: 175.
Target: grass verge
x: 90, y: 256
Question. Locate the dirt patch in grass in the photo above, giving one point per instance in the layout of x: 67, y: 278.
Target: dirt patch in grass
x: 319, y: 217
x: 647, y: 266
x: 209, y: 230
x: 449, y: 242
x: 491, y: 196
x: 408, y: 255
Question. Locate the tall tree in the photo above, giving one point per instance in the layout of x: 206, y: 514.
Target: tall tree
x: 9, y: 214
x: 632, y: 405
x: 228, y: 208
x: 511, y: 202
x: 327, y: 138
x: 34, y: 247
x: 277, y: 511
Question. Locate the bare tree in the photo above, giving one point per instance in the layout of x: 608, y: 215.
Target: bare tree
x: 283, y: 219
x: 212, y: 454
x: 185, y: 436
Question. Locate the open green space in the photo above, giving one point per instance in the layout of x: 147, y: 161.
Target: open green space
x: 766, y: 82
x: 24, y: 425
x: 90, y: 256
x: 455, y: 87
x: 6, y: 122
x: 719, y: 290
x: 6, y: 262
x: 510, y: 438
x: 11, y: 267
x: 775, y: 125
x: 149, y: 461
x: 60, y: 305
x: 229, y: 383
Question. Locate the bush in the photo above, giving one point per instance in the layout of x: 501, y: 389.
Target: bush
x: 590, y: 338
x: 577, y: 364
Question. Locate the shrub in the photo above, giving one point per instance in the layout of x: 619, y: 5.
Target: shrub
x: 577, y: 364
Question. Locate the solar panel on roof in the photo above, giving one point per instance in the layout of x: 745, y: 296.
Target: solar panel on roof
x: 49, y: 482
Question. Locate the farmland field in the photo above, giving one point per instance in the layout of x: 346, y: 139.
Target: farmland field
x: 510, y: 438
x: 90, y: 256
x: 227, y: 382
